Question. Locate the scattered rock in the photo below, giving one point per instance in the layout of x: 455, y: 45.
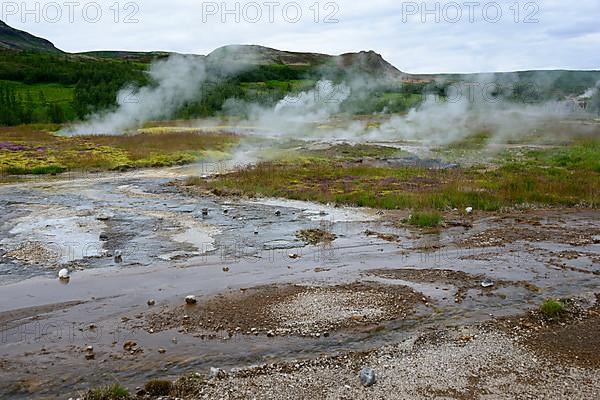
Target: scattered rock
x: 151, y: 302
x: 469, y: 210
x: 217, y: 373
x: 191, y: 299
x: 162, y: 350
x: 104, y: 237
x: 90, y: 353
x: 132, y: 347
x: 367, y: 377
x: 278, y: 213
x: 293, y: 256
x: 129, y: 345
x: 205, y: 212
x: 118, y: 256
x: 225, y: 269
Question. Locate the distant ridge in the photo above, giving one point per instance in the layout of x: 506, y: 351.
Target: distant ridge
x: 368, y: 62
x: 14, y: 39
x: 364, y: 61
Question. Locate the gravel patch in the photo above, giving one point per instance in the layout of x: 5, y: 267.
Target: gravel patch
x: 280, y: 310
x: 318, y: 310
x: 465, y: 363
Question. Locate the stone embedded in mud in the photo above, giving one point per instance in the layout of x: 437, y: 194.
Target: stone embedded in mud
x: 130, y: 346
x: 103, y: 217
x: 367, y: 377
x: 64, y: 275
x: 488, y: 283
x: 191, y: 299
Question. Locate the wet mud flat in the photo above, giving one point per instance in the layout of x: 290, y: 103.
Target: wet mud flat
x: 310, y: 316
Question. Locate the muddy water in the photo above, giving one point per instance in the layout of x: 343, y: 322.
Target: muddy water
x: 172, y: 247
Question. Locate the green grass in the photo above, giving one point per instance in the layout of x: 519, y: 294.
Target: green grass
x: 328, y: 176
x: 41, y: 170
x: 398, y: 101
x: 112, y: 392
x: 354, y: 152
x: 54, y: 93
x: 552, y: 308
x: 425, y: 219
x: 582, y: 155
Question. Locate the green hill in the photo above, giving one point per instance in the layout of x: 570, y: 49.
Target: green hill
x: 39, y: 83
x: 15, y: 39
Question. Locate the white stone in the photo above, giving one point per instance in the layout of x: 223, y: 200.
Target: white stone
x: 64, y: 274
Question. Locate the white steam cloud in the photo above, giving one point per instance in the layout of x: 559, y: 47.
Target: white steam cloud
x: 295, y: 113
x: 174, y: 81
x: 314, y: 115
x: 318, y: 114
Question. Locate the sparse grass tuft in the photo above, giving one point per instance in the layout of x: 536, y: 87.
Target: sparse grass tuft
x: 158, y: 387
x: 425, y: 219
x: 112, y: 392
x: 552, y: 308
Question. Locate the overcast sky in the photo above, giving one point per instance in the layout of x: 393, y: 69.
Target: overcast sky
x: 441, y: 37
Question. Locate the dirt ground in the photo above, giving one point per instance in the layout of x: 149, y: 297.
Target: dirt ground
x: 571, y: 338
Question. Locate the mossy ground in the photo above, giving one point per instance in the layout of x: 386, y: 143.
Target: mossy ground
x: 39, y: 150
